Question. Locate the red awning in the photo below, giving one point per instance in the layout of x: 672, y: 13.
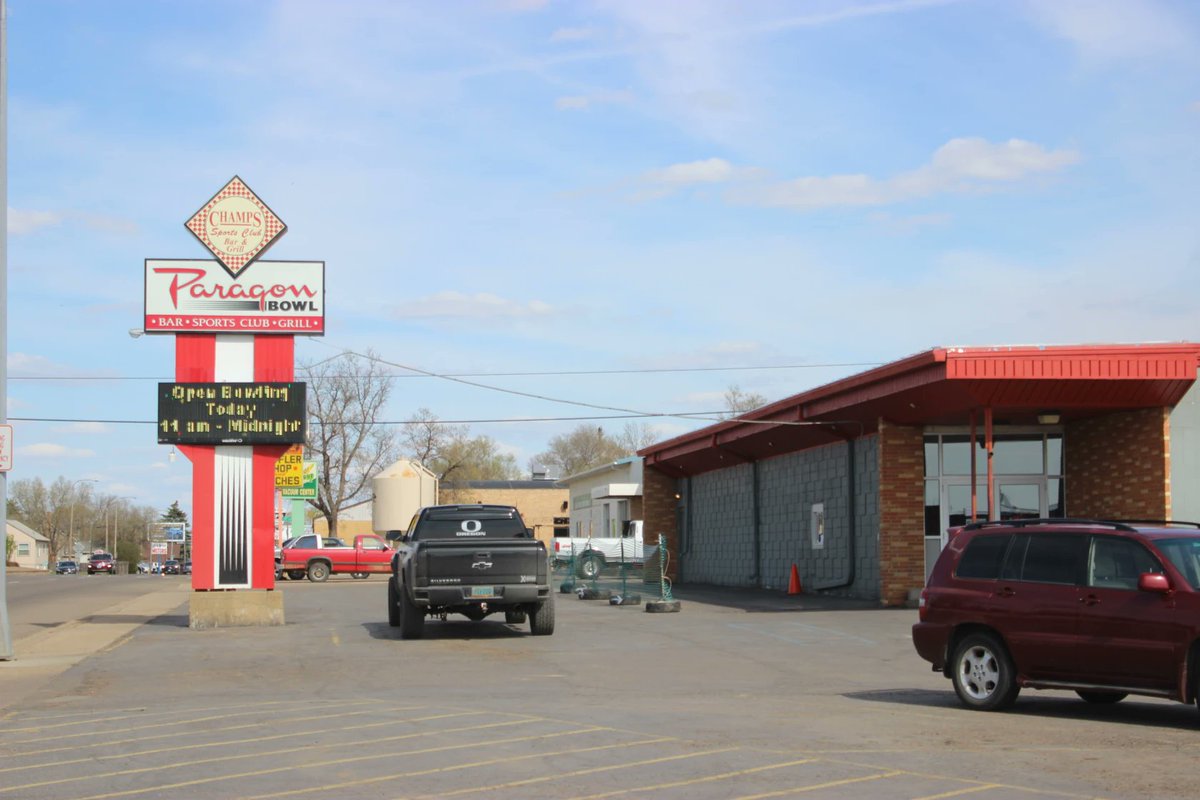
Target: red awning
x: 942, y: 387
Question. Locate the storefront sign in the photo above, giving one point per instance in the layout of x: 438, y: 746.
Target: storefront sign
x: 306, y: 489
x: 236, y: 226
x: 185, y: 296
x: 289, y: 469
x: 231, y: 413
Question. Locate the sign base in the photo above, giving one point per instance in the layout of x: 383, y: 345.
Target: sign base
x: 236, y: 609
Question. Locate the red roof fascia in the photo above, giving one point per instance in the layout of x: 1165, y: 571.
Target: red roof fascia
x: 1143, y: 362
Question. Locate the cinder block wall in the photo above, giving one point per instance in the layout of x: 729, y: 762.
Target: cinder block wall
x: 718, y: 543
x: 901, y: 512
x: 1118, y: 466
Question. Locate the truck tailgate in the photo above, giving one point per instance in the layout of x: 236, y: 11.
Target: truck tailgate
x: 493, y: 563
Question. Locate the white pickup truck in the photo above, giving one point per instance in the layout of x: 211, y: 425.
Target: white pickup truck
x: 591, y: 555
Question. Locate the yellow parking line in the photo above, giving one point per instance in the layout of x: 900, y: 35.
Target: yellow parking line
x: 330, y: 763
x: 959, y: 792
x: 574, y: 773
x: 693, y: 781
x: 230, y: 742
x: 827, y: 785
x: 290, y: 750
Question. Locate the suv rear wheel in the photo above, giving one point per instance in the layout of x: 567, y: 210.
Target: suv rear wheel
x: 983, y: 673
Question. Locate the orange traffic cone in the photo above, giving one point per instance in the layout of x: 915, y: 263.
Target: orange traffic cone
x: 794, y: 583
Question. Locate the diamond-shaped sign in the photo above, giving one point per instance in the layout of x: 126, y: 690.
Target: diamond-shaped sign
x: 236, y: 226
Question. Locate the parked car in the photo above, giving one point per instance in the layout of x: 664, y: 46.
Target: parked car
x: 185, y: 567
x: 1103, y: 608
x: 66, y: 568
x: 101, y: 562
x: 170, y: 567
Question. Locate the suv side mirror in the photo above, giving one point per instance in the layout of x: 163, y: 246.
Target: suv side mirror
x: 1153, y: 582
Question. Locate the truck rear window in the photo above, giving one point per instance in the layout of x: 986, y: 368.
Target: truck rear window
x: 468, y: 529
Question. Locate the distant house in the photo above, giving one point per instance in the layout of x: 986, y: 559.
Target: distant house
x: 32, y: 550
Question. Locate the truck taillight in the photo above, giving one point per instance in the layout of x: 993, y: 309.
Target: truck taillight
x: 557, y: 545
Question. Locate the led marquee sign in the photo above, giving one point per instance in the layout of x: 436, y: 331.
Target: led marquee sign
x: 231, y: 413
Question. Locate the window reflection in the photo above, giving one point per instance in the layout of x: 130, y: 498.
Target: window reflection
x: 1018, y: 455
x: 956, y: 455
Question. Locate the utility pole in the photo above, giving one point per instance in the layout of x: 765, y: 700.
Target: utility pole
x: 6, y: 648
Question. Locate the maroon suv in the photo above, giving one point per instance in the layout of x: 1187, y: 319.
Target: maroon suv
x: 1106, y: 609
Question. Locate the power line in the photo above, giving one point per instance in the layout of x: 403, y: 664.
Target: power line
x: 531, y: 374
x: 700, y: 416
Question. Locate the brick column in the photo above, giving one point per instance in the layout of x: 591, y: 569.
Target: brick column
x: 901, y: 512
x: 659, y: 503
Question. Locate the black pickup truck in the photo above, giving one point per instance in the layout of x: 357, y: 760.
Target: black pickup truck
x: 473, y: 560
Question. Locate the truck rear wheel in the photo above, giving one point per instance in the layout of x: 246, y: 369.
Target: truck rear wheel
x: 318, y: 571
x: 412, y: 617
x: 541, y: 621
x: 393, y: 609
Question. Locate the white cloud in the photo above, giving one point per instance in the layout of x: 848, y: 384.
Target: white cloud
x: 26, y: 365
x: 481, y: 306
x: 580, y: 102
x: 1103, y: 30
x: 50, y: 450
x: 83, y: 427
x: 21, y: 222
x: 573, y: 34
x: 960, y: 165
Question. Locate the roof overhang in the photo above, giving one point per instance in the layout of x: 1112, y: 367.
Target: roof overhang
x: 944, y: 386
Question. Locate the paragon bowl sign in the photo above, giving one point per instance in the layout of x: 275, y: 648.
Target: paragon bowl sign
x: 236, y: 226
x: 270, y: 297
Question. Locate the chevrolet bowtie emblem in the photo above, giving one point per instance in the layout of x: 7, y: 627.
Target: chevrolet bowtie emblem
x: 482, y: 565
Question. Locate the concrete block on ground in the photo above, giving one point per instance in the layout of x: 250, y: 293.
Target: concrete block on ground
x: 235, y: 609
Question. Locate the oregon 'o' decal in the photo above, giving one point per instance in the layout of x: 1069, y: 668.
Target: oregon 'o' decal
x: 471, y: 527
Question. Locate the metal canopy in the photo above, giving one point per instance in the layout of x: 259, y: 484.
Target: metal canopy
x: 942, y: 387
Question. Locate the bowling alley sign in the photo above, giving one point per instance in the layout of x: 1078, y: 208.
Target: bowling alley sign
x: 237, y: 293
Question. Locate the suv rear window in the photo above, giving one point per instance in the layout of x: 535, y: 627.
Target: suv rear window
x: 983, y: 557
x: 1053, y: 558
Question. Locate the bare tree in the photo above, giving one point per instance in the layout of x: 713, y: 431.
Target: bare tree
x: 636, y: 435
x: 581, y: 449
x: 451, y: 453
x: 345, y: 397
x: 739, y: 402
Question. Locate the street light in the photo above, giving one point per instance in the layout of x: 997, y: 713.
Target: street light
x: 72, y: 526
x: 116, y: 516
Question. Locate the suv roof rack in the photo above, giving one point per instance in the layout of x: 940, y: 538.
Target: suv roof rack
x: 1166, y: 523
x: 1022, y: 523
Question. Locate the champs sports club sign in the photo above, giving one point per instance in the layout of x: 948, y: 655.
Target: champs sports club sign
x: 265, y: 297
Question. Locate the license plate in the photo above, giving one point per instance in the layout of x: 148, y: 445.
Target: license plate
x: 483, y: 591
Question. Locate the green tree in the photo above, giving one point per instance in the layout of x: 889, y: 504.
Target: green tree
x: 174, y: 514
x: 10, y: 544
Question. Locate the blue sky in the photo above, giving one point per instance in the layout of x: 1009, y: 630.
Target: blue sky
x: 549, y: 186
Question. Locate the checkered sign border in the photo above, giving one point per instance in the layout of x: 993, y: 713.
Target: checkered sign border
x: 234, y: 264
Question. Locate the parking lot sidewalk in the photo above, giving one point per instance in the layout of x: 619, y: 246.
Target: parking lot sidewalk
x: 41, y: 657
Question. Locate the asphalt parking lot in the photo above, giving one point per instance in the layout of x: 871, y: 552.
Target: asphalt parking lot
x: 742, y: 694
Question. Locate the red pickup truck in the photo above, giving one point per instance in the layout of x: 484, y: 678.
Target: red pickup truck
x: 317, y: 557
